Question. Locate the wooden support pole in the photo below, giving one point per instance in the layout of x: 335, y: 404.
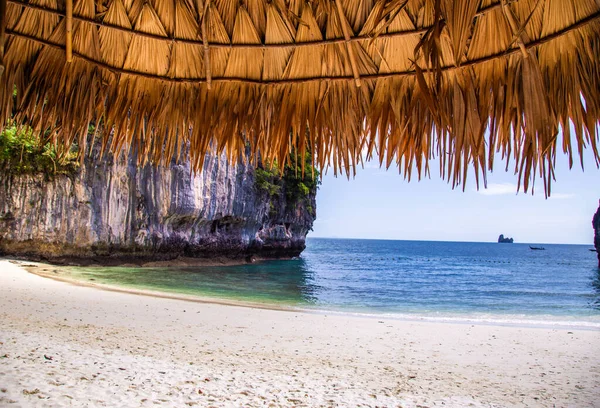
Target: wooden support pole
x: 206, y: 46
x: 69, y: 40
x: 347, y: 36
x: 2, y: 33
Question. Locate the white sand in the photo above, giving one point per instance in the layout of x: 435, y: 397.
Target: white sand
x: 68, y: 345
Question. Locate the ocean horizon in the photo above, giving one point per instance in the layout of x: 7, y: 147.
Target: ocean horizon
x: 425, y: 280
x: 589, y: 245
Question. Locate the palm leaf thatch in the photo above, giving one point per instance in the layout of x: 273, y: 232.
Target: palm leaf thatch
x: 407, y: 80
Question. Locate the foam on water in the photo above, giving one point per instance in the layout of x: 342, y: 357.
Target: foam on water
x: 542, y: 321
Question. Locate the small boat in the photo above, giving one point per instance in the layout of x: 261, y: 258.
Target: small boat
x: 593, y: 250
x: 537, y: 248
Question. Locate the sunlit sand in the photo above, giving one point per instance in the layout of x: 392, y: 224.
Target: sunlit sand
x: 69, y: 345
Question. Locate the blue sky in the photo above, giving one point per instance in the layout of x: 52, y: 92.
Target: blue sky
x: 380, y: 204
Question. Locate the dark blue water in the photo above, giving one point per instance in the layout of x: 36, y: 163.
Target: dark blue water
x: 454, y: 277
x: 400, y: 278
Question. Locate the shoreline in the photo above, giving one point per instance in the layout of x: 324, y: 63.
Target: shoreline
x: 31, y: 267
x: 135, y: 261
x: 507, y: 320
x: 63, y: 344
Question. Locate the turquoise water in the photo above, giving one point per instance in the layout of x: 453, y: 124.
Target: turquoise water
x: 454, y: 280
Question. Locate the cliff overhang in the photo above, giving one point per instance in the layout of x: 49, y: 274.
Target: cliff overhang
x: 112, y: 211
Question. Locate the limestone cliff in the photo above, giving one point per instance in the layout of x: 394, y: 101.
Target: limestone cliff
x: 114, y: 210
x: 596, y: 226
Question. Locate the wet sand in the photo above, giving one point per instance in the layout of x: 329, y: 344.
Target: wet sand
x: 70, y: 345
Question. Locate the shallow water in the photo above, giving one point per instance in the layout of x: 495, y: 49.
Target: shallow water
x: 442, y: 280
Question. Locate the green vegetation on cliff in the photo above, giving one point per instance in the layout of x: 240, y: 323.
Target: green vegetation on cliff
x: 267, y: 180
x: 23, y: 151
x: 297, y: 187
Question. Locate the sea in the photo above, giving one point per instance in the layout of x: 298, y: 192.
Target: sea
x: 506, y: 284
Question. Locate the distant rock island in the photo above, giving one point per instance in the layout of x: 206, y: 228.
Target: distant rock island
x: 502, y: 240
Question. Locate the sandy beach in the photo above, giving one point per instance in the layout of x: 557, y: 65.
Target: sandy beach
x: 69, y: 345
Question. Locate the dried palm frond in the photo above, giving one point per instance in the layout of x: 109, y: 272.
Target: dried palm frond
x: 468, y: 81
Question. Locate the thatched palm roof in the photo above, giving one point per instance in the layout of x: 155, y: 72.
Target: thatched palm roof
x: 463, y: 80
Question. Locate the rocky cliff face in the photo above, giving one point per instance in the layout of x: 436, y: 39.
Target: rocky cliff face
x: 113, y: 210
x: 596, y: 226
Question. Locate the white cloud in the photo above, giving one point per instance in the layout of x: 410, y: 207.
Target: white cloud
x: 494, y: 189
x: 372, y: 164
x: 560, y: 196
x: 499, y: 189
